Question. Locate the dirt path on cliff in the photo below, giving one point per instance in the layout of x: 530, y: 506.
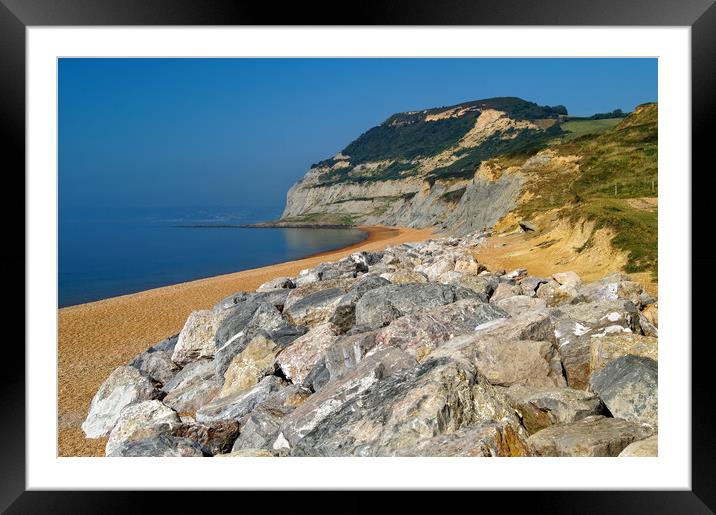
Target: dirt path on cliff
x: 97, y: 337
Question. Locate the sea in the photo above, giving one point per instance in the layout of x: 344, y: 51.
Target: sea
x: 109, y: 252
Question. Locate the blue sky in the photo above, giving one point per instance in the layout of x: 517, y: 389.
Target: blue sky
x: 239, y: 132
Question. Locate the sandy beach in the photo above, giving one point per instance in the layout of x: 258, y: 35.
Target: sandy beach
x: 95, y: 338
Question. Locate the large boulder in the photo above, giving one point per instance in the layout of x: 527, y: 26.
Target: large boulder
x: 568, y: 279
x: 124, y: 386
x: 483, y: 286
x: 297, y: 360
x: 276, y: 284
x: 437, y: 268
x: 508, y: 362
x: 649, y: 447
x: 628, y: 386
x: 504, y: 290
x: 314, y: 309
x: 378, y: 307
x: 577, y: 325
x: 142, y: 420
x: 529, y: 325
x: 539, y: 407
x: 486, y: 439
x: 197, y: 337
x: 530, y: 284
x: 238, y: 404
x: 319, y: 407
x: 615, y: 286
x: 344, y: 313
x: 260, y: 427
x: 418, y: 334
x: 251, y: 365
x: 403, y: 276
x: 243, y: 324
x: 192, y: 387
x: 247, y: 318
x: 554, y: 293
x: 346, y: 352
x: 304, y: 291
x: 520, y: 304
x: 215, y: 438
x: 610, y: 347
x: 378, y: 409
x: 595, y: 436
x: 157, y: 364
x: 159, y: 446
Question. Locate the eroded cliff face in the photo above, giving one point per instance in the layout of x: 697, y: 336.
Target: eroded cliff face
x: 426, y: 168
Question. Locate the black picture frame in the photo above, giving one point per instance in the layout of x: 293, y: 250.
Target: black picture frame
x: 16, y: 15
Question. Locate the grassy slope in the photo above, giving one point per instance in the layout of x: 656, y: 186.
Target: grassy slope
x: 625, y: 157
x: 577, y: 128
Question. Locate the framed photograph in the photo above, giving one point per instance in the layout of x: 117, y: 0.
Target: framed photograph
x: 369, y: 256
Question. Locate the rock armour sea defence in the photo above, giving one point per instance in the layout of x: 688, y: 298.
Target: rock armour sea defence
x: 417, y: 350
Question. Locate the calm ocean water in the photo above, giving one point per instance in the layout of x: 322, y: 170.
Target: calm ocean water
x: 103, y: 254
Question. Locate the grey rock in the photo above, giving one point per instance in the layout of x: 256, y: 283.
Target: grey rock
x: 320, y: 406
x: 647, y: 327
x: 576, y: 326
x: 404, y: 276
x: 541, y: 407
x: 482, y: 286
x: 628, y: 386
x: 157, y: 364
x: 239, y: 404
x: 346, y: 352
x: 166, y: 345
x: 260, y: 427
x: 555, y: 293
x: 314, y: 309
x: 301, y: 292
x: 485, y: 439
x: 215, y: 438
x: 530, y: 284
x: 378, y: 307
x: 528, y: 362
x: 297, y: 360
x: 594, y: 436
x: 192, y: 387
x: 649, y: 447
x: 610, y: 347
x: 248, y: 318
x: 124, y: 386
x: 242, y: 326
x: 197, y: 337
x: 317, y: 377
x: 519, y: 304
x: 504, y: 290
x: 529, y: 325
x: 378, y: 413
x: 368, y: 282
x: 277, y: 283
x: 418, y: 334
x: 141, y: 420
x: 158, y: 446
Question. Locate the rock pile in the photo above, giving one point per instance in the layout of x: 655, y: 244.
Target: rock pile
x: 414, y: 351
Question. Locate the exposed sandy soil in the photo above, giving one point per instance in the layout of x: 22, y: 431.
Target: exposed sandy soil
x: 559, y: 248
x: 97, y: 337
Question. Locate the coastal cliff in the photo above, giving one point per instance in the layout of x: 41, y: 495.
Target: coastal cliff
x: 423, y: 168
x: 501, y: 163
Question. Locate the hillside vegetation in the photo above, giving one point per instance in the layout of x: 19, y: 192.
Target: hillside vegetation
x: 617, y: 171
